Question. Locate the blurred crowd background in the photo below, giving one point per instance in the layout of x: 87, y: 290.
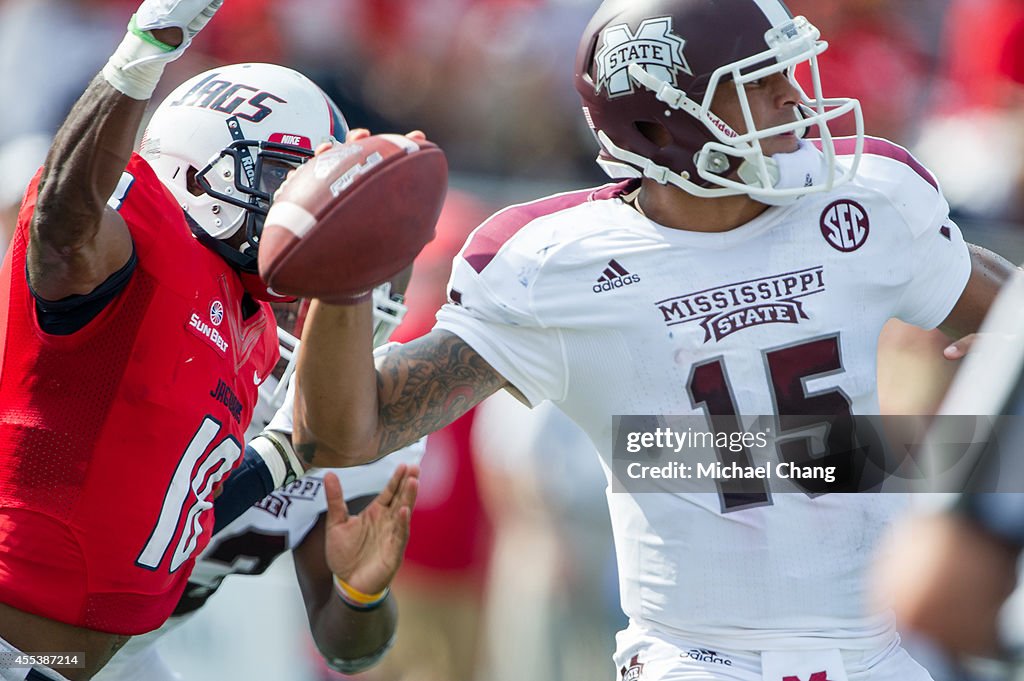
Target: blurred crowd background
x: 510, y: 572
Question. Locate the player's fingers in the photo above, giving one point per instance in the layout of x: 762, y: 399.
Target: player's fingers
x: 960, y: 348
x: 402, y: 526
x: 417, y: 135
x: 357, y: 134
x: 409, y: 489
x: 321, y: 149
x: 387, y: 495
x: 337, y: 511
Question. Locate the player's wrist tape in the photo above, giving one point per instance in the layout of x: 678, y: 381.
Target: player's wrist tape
x: 356, y: 599
x: 138, y: 62
x: 277, y: 452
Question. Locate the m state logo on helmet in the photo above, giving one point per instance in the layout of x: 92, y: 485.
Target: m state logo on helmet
x: 648, y: 70
x: 653, y: 46
x: 223, y: 141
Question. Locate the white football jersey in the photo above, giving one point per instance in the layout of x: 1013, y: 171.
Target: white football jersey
x: 581, y: 300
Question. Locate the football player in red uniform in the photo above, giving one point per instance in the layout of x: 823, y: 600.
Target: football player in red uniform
x: 136, y: 333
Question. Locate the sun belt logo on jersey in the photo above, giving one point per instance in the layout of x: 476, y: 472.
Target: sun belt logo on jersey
x: 614, y: 276
x: 216, y: 312
x: 654, y: 47
x: 724, y: 310
x: 208, y: 333
x: 633, y: 671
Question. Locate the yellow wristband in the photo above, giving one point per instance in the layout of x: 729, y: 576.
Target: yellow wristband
x: 357, y: 599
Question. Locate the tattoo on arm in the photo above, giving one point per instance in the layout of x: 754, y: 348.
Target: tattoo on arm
x: 426, y: 384
x: 306, y: 452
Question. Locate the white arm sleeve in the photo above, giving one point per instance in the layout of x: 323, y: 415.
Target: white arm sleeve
x: 284, y: 419
x: 941, y: 266
x: 492, y: 310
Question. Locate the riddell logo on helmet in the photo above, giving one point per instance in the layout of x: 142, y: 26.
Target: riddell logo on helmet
x: 721, y: 125
x: 654, y: 47
x: 234, y: 99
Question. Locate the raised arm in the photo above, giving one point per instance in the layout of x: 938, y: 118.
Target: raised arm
x: 76, y: 240
x: 350, y: 412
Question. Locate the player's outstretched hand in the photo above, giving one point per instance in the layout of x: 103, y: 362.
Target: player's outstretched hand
x: 365, y: 550
x: 185, y: 16
x: 159, y: 32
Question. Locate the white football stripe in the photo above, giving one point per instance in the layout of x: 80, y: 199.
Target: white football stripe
x: 402, y: 142
x: 292, y: 217
x: 774, y: 10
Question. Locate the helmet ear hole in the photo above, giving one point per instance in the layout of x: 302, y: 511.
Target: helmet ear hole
x: 591, y: 64
x: 655, y: 133
x: 190, y: 182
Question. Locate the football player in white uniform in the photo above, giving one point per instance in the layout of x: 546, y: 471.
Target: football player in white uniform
x: 738, y: 269
x: 351, y: 636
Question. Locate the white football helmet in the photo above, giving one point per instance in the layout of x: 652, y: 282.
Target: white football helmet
x: 224, y: 141
x: 388, y: 311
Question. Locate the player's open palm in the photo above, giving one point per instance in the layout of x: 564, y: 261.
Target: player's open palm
x: 365, y: 550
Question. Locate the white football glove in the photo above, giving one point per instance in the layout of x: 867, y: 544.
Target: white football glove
x: 137, y: 64
x: 190, y: 16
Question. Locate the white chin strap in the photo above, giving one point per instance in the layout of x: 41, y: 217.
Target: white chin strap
x: 802, y: 168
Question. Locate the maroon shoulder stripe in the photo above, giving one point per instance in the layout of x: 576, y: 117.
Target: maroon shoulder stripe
x: 877, y: 146
x: 497, y: 230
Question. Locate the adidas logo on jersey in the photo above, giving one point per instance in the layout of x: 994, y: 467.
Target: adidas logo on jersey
x: 705, y: 655
x: 614, y: 276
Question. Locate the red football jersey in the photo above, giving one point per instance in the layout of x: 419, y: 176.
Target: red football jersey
x: 114, y: 438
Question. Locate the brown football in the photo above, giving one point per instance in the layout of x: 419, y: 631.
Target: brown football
x: 353, y: 217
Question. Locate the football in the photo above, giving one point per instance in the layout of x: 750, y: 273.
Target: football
x: 353, y: 217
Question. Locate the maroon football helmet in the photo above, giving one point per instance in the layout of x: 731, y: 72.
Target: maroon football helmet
x: 649, y: 64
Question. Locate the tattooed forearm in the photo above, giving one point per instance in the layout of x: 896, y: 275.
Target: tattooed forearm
x: 428, y: 383
x: 306, y: 452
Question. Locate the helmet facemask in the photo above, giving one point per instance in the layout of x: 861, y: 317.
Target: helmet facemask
x: 248, y: 173
x: 726, y: 162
